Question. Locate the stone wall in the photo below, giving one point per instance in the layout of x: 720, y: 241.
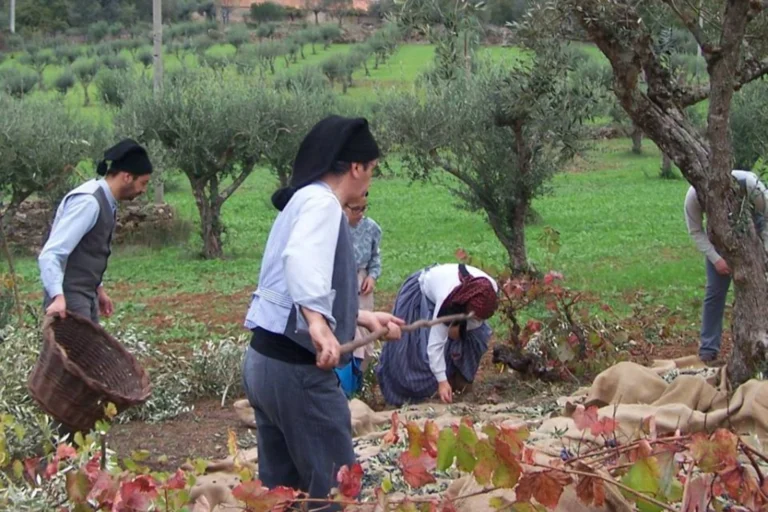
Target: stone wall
x: 30, y: 226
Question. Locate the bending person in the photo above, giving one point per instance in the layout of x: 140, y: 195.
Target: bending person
x: 443, y: 358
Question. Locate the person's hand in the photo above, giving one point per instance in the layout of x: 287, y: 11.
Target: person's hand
x: 325, y: 342
x: 445, y: 391
x: 105, y: 303
x: 375, y: 321
x: 392, y: 323
x: 58, y: 307
x: 369, y: 284
x: 722, y: 267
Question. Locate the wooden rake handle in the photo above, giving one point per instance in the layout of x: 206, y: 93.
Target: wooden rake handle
x: 420, y: 324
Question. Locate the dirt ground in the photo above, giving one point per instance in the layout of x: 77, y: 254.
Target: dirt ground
x: 202, y: 433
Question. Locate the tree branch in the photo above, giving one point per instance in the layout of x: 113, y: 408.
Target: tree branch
x: 693, y: 28
x: 750, y: 72
x: 238, y: 181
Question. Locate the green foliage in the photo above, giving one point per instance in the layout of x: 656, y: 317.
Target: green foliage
x: 503, y: 133
x: 335, y: 68
x: 749, y: 134
x: 41, y: 143
x: 210, y: 136
x: 116, y: 62
x: 329, y: 33
x: 98, y: 31
x: 238, y: 36
x: 67, y: 54
x: 291, y: 117
x: 112, y: 85
x: 145, y: 56
x: 266, y: 30
x: 65, y: 81
x: 85, y: 70
x: 17, y: 81
x: 267, y: 11
x: 504, y: 12
x: 307, y: 79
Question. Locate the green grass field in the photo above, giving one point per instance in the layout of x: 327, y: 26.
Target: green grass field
x: 621, y: 227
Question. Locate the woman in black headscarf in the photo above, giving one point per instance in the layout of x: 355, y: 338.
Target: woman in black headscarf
x: 305, y: 306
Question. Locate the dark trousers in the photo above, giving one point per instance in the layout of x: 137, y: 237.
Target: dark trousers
x: 304, y: 426
x: 78, y: 303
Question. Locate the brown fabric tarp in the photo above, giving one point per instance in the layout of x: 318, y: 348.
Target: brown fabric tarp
x: 627, y: 392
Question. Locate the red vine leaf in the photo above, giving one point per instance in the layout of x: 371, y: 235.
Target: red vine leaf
x: 30, y: 467
x: 552, y: 276
x: 78, y: 486
x: 585, y: 418
x: 487, y: 462
x: 529, y: 456
x: 416, y: 470
x: 350, y: 480
x: 545, y: 486
x: 135, y: 495
x: 392, y: 437
x: 65, y: 451
x: 604, y: 427
x: 591, y: 491
x: 258, y: 498
x: 726, y: 446
x: 104, y: 489
x: 430, y: 437
x: 177, y: 482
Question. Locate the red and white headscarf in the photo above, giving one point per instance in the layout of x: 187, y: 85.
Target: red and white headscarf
x: 476, y: 294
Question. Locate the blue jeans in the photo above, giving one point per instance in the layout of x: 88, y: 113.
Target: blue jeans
x: 712, y: 315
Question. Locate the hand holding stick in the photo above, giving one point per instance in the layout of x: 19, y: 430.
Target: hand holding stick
x: 420, y: 324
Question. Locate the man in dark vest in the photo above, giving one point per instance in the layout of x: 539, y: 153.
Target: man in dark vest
x: 74, y: 258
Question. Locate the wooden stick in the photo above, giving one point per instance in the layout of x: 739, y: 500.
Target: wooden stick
x: 420, y: 324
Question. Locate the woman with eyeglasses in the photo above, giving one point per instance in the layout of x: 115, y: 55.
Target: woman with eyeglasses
x: 444, y: 358
x: 366, y: 241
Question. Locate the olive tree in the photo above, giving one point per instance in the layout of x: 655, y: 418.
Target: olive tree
x: 294, y: 112
x: 732, y: 39
x: 215, y: 139
x: 750, y: 133
x: 41, y: 143
x: 502, y: 133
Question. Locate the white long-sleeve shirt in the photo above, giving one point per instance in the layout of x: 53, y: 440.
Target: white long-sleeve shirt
x: 694, y: 215
x: 297, y: 267
x: 436, y: 284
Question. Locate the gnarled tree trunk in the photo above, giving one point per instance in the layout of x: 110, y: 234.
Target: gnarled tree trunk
x: 704, y: 161
x: 209, y: 205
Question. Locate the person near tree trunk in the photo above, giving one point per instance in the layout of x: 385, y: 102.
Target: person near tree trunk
x: 74, y: 257
x: 444, y: 358
x: 718, y: 271
x: 304, y: 307
x: 366, y: 242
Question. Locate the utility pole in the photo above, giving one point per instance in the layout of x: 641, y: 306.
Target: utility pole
x: 157, y: 54
x: 13, y: 17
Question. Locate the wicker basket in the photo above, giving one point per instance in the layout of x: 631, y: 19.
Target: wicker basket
x: 80, y: 369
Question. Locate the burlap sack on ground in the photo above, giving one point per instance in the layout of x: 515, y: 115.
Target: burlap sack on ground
x: 627, y: 391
